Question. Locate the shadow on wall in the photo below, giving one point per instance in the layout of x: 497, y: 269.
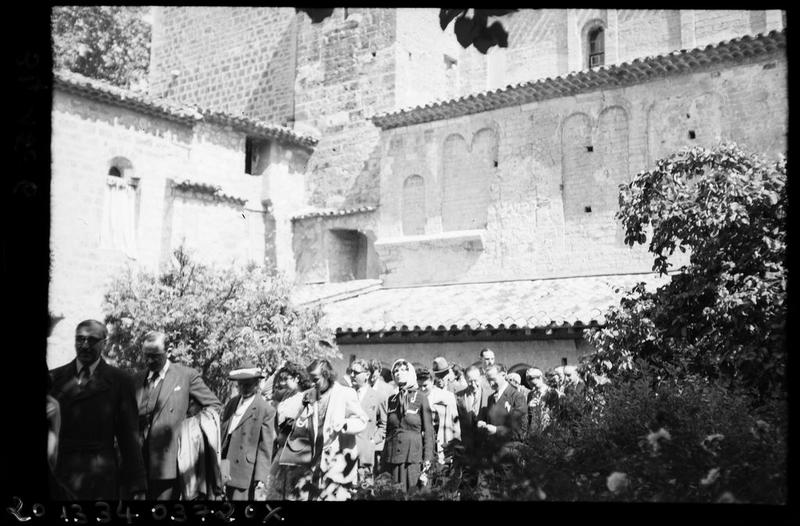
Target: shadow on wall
x: 366, y: 189
x: 270, y: 100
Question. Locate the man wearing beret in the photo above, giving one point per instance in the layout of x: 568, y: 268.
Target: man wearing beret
x: 248, y: 434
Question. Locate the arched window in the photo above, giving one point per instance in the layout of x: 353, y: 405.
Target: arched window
x: 120, y: 208
x: 413, y: 206
x: 596, y: 46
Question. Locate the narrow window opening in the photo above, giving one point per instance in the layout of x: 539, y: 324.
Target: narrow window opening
x: 256, y: 155
x: 596, y: 39
x: 495, y: 164
x: 587, y: 209
x: 691, y: 134
x: 590, y: 149
x: 564, y: 360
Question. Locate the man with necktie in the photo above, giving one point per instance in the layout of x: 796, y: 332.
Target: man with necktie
x: 97, y: 403
x: 505, y: 417
x: 164, y: 391
x: 469, y: 403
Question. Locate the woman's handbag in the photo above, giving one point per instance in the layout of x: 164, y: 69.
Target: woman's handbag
x: 298, y: 450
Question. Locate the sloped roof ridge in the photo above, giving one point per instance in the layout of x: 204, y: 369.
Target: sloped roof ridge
x: 321, y: 212
x: 174, y: 110
x: 639, y: 69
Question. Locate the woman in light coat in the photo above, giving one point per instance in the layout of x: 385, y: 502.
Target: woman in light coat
x: 333, y: 415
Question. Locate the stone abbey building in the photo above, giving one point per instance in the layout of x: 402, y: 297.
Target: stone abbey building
x: 434, y: 200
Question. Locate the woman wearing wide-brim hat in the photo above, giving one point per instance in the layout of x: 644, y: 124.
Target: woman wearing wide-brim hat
x: 247, y: 437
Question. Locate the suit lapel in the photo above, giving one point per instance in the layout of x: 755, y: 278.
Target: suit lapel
x: 167, y: 387
x: 65, y: 386
x: 250, y: 413
x: 228, y: 416
x: 97, y: 383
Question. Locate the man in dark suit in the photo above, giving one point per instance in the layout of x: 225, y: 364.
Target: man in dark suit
x: 163, y: 394
x: 248, y: 433
x: 470, y: 402
x: 374, y: 405
x: 505, y: 417
x: 98, y: 405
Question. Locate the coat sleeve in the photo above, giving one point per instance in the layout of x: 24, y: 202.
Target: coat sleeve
x: 454, y: 422
x: 127, y: 434
x: 201, y: 394
x: 354, y: 416
x: 519, y: 417
x: 265, y: 444
x: 380, y: 422
x: 428, y: 432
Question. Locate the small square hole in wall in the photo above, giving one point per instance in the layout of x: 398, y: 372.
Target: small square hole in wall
x: 564, y: 360
x: 691, y: 134
x: 590, y: 148
x: 587, y: 209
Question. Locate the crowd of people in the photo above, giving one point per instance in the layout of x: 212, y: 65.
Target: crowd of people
x: 300, y: 434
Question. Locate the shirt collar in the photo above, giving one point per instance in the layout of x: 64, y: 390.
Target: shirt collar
x: 162, y: 373
x: 92, y: 366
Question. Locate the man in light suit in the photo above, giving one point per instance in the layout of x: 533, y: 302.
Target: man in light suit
x: 97, y: 406
x: 164, y: 391
x: 247, y: 436
x: 505, y: 417
x: 374, y: 405
x: 470, y: 402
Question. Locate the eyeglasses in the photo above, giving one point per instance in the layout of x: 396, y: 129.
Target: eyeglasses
x: 91, y: 340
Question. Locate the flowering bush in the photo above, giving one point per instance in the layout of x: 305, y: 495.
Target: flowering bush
x: 215, y: 319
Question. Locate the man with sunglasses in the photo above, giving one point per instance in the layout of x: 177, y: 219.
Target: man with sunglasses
x: 98, y: 406
x: 370, y: 440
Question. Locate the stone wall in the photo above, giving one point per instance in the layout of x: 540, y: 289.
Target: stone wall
x: 321, y: 256
x: 235, y: 59
x: 551, y: 200
x: 86, y: 136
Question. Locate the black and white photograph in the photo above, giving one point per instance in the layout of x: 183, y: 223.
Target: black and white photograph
x: 415, y: 254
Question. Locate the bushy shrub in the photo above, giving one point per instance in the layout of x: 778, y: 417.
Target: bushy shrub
x: 644, y: 439
x: 215, y: 319
x: 723, y: 316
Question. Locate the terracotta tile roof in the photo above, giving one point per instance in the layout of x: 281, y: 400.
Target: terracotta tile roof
x: 518, y: 304
x: 173, y: 110
x: 614, y: 76
x: 213, y: 192
x: 321, y: 212
x: 312, y: 293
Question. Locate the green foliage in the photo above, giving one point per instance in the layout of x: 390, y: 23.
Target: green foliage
x: 672, y: 441
x: 723, y: 316
x: 109, y: 43
x: 215, y: 319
